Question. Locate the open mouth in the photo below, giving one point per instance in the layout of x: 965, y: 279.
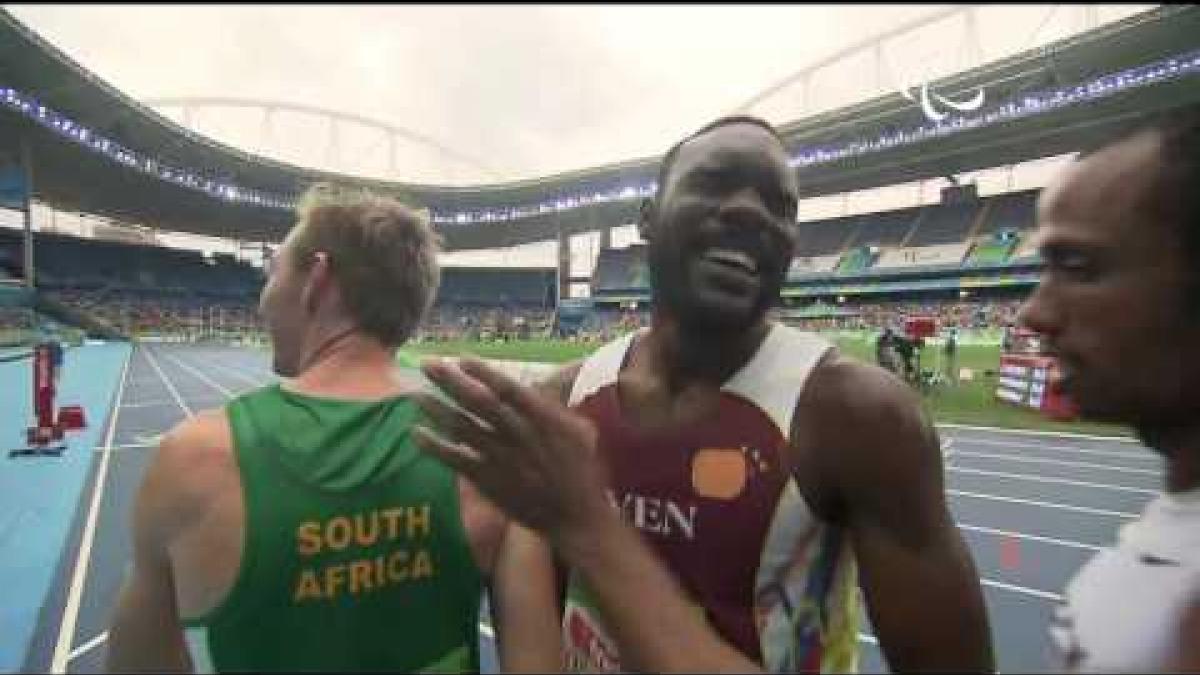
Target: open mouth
x: 732, y: 259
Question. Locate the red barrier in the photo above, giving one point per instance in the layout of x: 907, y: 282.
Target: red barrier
x: 920, y: 327
x: 70, y: 417
x: 46, y: 428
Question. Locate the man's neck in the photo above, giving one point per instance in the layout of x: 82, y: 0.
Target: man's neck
x: 1181, y: 448
x: 352, y: 366
x: 685, y: 355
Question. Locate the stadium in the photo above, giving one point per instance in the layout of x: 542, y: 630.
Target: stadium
x: 917, y: 215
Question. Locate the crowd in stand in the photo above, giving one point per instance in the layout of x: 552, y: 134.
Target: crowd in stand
x: 981, y: 313
x: 153, y: 295
x: 148, y: 312
x: 141, y: 312
x: 486, y: 323
x: 15, y: 318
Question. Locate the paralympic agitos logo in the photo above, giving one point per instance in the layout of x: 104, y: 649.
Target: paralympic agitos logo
x: 928, y: 97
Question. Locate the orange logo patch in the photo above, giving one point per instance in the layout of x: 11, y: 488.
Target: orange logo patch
x: 719, y: 473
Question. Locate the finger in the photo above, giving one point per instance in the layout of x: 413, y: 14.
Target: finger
x: 518, y: 402
x: 457, y: 425
x: 476, y: 397
x: 461, y: 388
x: 535, y: 410
x: 504, y: 387
x: 458, y: 456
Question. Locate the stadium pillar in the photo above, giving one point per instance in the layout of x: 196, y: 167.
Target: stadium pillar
x: 564, y: 264
x: 27, y: 209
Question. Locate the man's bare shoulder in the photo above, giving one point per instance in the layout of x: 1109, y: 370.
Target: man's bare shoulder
x: 860, y: 421
x: 193, y: 466
x: 842, y: 389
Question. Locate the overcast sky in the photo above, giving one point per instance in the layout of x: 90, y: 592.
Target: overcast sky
x: 530, y: 90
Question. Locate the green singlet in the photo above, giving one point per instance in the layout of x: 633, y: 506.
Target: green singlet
x: 354, y: 557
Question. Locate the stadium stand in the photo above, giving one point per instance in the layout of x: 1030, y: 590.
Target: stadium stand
x: 145, y: 290
x: 1010, y: 211
x: 944, y: 224
x: 875, y: 315
x: 491, y: 286
x: 857, y: 259
x: 138, y: 289
x: 994, y: 249
x: 887, y: 228
x: 808, y: 265
x: 620, y: 269
x: 943, y: 254
x: 828, y: 237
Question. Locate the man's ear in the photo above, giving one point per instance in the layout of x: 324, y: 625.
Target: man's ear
x: 317, y: 280
x: 647, y: 214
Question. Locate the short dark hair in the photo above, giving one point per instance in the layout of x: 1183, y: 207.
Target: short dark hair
x: 1177, y: 192
x: 1179, y: 131
x: 668, y: 160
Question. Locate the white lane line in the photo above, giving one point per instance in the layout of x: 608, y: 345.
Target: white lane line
x: 239, y: 375
x: 1045, y: 595
x: 141, y: 381
x: 87, y: 646
x: 1046, y: 505
x: 66, y: 629
x: 202, y: 377
x: 170, y: 387
x: 1035, y: 432
x: 1056, y: 481
x: 251, y: 365
x: 132, y: 446
x: 1145, y: 455
x: 1030, y: 537
x: 147, y: 404
x: 1060, y: 462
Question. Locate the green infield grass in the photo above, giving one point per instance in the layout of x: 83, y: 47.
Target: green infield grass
x: 970, y: 402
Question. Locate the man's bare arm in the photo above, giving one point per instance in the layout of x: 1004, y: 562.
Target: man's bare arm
x: 648, y: 614
x: 146, y: 634
x: 525, y: 605
x: 883, y: 462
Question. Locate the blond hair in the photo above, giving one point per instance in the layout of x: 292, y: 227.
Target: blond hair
x: 382, y: 254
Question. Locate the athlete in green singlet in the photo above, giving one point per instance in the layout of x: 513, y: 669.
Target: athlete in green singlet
x: 299, y: 528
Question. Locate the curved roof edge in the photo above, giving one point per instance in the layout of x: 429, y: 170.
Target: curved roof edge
x: 42, y: 68
x: 86, y: 78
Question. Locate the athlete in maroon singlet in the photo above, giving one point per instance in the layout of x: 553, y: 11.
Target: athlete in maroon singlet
x: 716, y: 500
x: 764, y: 473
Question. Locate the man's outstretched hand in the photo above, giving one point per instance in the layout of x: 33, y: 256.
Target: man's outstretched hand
x: 526, y: 452
x: 537, y: 460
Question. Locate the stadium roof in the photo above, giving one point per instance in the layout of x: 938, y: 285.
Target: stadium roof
x: 69, y: 176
